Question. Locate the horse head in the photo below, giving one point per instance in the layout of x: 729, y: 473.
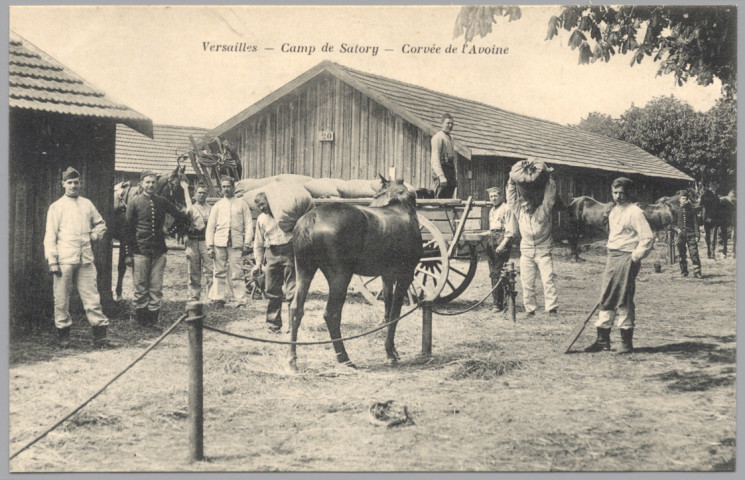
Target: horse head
x: 394, y: 192
x: 171, y: 186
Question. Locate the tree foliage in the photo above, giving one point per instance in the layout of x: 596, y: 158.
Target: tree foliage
x: 703, y: 145
x: 689, y: 41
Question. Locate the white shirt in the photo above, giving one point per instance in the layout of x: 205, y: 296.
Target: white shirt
x: 71, y: 223
x: 268, y: 232
x: 499, y: 217
x: 230, y: 224
x: 629, y: 231
x: 534, y: 228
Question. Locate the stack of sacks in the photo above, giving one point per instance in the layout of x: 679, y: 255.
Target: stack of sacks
x: 324, y: 187
x: 530, y: 177
x: 288, y: 202
x: 316, y: 187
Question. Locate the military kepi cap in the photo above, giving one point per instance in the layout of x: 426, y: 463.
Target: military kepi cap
x: 622, y: 182
x: 70, y: 173
x: 494, y: 190
x: 148, y: 173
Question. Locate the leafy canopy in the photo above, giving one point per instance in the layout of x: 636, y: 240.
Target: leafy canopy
x: 689, y: 41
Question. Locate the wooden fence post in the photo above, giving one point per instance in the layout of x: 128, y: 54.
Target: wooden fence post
x: 196, y: 397
x: 426, y: 328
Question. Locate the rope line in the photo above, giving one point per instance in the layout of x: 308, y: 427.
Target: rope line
x: 449, y: 314
x: 321, y: 342
x: 116, y: 377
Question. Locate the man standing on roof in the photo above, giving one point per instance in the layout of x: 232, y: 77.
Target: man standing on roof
x: 629, y: 240
x: 443, y: 160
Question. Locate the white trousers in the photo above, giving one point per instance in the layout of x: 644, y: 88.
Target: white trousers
x: 533, y: 262
x: 623, y: 316
x: 228, y: 264
x: 83, y: 276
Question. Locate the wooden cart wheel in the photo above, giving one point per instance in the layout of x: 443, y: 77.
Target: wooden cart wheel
x: 430, y: 275
x: 459, y: 278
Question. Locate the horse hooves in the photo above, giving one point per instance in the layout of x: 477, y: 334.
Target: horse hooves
x: 118, y: 298
x: 349, y: 364
x: 392, y: 360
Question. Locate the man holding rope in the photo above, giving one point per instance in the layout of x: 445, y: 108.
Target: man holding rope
x: 499, y: 245
x: 629, y: 240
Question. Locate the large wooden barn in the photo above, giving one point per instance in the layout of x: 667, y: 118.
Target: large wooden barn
x: 333, y: 121
x: 136, y: 152
x: 56, y: 120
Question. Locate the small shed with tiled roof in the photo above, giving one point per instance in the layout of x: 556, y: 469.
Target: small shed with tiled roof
x: 135, y: 152
x: 334, y: 121
x: 57, y: 120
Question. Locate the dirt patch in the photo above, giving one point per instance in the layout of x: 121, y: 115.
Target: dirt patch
x: 496, y: 395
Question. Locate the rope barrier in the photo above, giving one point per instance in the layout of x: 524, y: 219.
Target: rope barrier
x: 116, y: 377
x: 321, y: 342
x: 449, y: 314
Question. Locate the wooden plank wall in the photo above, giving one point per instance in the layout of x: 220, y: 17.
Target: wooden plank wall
x: 41, y: 147
x: 368, y: 138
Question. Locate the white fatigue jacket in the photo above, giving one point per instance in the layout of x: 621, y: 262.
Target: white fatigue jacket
x: 268, y: 233
x: 534, y: 228
x: 71, y: 222
x: 229, y: 224
x: 629, y: 231
x: 443, y: 153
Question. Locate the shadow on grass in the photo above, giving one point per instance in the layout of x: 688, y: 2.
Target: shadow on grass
x: 677, y: 348
x: 693, y: 381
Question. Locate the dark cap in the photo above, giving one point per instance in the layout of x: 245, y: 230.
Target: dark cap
x: 148, y: 173
x: 70, y: 173
x: 494, y: 190
x: 623, y: 182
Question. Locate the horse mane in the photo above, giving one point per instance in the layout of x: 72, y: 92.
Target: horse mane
x: 394, y: 193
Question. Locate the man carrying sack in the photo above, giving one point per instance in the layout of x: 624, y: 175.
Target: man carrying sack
x: 629, y: 240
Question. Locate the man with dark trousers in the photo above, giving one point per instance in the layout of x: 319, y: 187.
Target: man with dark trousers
x: 275, y: 245
x: 629, y: 240
x: 146, y: 249
x: 688, y: 235
x: 499, y: 245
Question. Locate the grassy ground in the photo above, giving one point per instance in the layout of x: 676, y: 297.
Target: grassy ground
x: 495, y: 395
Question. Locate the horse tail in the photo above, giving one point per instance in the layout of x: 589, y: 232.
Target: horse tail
x: 303, y: 240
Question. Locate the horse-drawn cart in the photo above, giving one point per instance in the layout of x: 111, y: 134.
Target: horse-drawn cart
x: 453, y: 233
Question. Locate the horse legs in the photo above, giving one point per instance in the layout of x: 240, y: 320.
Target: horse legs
x: 707, y: 237
x: 338, y: 284
x: 297, y: 309
x: 724, y: 233
x: 121, y: 269
x: 393, y: 311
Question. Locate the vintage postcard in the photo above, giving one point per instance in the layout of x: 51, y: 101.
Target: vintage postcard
x: 372, y: 238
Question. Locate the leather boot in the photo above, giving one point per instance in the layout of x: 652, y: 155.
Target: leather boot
x: 63, y: 337
x: 602, y: 342
x: 99, y: 337
x: 152, y: 320
x: 627, y: 336
x: 141, y: 314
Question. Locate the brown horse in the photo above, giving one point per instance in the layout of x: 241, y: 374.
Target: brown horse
x: 342, y: 240
x: 718, y: 216
x: 171, y: 187
x: 590, y: 217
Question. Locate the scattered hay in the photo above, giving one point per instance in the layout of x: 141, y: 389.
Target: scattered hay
x: 487, y: 369
x: 86, y: 418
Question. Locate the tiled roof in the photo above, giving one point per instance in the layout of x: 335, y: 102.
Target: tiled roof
x: 135, y: 152
x: 482, y: 129
x: 36, y: 81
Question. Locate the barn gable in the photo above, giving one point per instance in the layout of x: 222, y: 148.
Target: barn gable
x: 481, y: 130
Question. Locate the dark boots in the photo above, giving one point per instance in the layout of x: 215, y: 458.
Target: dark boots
x: 63, y: 337
x: 99, y: 338
x: 602, y: 342
x: 627, y: 336
x: 147, y: 318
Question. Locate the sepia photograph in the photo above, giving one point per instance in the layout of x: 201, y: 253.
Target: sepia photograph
x: 339, y: 238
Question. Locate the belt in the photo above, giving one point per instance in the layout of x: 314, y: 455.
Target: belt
x: 281, y: 248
